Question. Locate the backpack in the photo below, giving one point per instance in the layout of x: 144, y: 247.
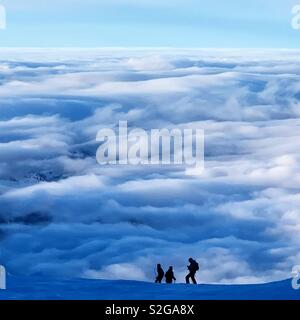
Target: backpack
x: 196, y: 266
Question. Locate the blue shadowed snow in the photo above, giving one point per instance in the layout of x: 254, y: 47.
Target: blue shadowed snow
x: 33, y: 288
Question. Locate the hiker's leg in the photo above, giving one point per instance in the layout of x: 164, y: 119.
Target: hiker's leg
x: 187, y: 278
x: 193, y: 278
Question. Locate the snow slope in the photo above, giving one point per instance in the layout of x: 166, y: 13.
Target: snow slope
x: 33, y: 288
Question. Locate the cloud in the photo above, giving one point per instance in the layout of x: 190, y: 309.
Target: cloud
x: 62, y: 214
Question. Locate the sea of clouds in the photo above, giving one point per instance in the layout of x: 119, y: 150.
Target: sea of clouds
x: 64, y: 215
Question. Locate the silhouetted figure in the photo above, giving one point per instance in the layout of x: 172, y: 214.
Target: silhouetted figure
x: 193, y: 268
x: 170, y: 275
x: 160, y: 274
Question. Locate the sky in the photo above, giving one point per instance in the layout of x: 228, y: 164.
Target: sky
x: 62, y: 214
x: 155, y: 23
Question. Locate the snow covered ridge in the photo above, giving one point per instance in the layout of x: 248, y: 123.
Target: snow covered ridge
x: 61, y: 214
x: 41, y: 288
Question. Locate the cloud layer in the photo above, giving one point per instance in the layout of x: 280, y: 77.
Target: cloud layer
x: 62, y: 214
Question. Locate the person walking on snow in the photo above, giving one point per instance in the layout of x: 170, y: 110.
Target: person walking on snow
x: 193, y: 268
x: 170, y: 275
x: 160, y: 274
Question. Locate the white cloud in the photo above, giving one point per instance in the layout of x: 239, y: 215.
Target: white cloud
x: 62, y: 214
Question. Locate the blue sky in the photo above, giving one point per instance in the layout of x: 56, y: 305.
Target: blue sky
x: 189, y: 23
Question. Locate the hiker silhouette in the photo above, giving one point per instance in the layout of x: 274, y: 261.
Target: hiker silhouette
x: 160, y: 274
x: 193, y: 268
x: 170, y: 275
